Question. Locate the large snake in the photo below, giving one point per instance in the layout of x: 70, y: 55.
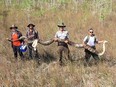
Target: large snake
x: 69, y: 42
x: 89, y: 48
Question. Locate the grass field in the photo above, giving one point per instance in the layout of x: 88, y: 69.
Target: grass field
x: 79, y: 17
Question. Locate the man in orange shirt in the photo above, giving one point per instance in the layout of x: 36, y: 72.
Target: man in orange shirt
x: 16, y: 43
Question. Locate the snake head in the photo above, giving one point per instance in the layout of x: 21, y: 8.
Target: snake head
x: 105, y: 41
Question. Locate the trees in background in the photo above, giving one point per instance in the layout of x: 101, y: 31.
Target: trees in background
x: 100, y: 7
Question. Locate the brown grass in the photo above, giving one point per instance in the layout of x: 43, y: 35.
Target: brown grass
x: 49, y: 74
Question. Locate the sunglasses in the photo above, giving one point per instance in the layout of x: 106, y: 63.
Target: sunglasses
x: 90, y: 32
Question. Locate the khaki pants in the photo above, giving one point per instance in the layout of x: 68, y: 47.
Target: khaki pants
x: 66, y: 51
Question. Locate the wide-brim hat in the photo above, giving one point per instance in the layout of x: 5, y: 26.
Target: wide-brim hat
x: 13, y: 27
x: 31, y: 25
x: 61, y: 25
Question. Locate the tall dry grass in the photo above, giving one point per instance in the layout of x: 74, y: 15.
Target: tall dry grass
x: 49, y: 74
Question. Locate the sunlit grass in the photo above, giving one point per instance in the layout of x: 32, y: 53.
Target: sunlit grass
x: 49, y: 73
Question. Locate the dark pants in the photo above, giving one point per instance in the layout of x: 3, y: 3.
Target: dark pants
x: 88, y: 54
x: 66, y: 51
x: 35, y: 53
x: 16, y: 50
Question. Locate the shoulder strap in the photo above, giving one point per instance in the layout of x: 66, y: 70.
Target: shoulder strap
x: 87, y: 39
x: 36, y: 34
x: 94, y: 39
x: 19, y: 34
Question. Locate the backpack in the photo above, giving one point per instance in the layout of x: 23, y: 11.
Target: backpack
x: 88, y: 37
x: 19, y: 35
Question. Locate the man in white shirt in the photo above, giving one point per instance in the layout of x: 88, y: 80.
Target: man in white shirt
x: 62, y: 37
x: 91, y: 41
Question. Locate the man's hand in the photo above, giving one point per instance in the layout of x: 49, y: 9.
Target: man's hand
x: 31, y: 36
x: 66, y: 41
x: 55, y: 39
x: 7, y: 38
x: 25, y: 40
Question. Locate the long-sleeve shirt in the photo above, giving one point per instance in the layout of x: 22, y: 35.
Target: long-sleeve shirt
x: 32, y: 35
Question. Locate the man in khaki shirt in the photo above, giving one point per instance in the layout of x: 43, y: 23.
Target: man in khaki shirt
x: 62, y: 37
